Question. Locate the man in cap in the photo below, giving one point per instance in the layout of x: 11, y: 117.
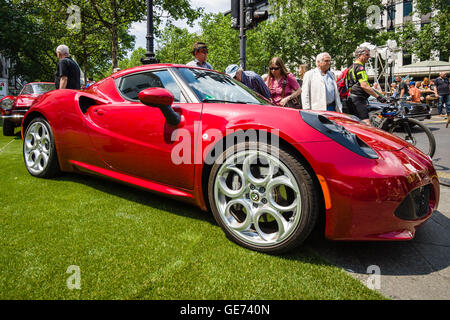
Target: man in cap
x: 200, y: 52
x: 249, y: 78
x: 360, y: 89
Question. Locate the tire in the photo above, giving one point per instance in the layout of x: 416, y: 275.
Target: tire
x: 273, y: 212
x: 39, y: 150
x: 423, y: 140
x: 8, y: 128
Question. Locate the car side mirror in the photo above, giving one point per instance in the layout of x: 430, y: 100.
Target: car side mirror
x: 162, y: 99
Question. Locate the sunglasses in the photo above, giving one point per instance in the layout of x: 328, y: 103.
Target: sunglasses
x: 203, y: 50
x: 274, y: 68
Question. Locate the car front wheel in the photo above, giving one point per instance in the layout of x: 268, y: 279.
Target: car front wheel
x: 8, y: 128
x: 263, y: 197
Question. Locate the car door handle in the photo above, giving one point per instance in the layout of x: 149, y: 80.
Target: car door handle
x: 100, y: 112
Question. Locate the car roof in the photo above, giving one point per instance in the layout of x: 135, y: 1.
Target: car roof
x: 40, y: 82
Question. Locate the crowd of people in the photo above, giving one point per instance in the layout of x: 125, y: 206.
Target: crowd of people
x: 316, y: 89
x: 313, y: 89
x: 426, y: 91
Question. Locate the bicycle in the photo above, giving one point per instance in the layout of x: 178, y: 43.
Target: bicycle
x: 394, y: 119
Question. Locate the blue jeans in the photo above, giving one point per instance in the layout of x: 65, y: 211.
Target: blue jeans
x: 331, y: 106
x: 445, y: 99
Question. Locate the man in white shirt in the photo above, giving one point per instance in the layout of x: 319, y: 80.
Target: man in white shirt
x: 319, y: 90
x: 200, y: 52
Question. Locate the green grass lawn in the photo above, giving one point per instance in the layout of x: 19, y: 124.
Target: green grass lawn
x: 131, y: 244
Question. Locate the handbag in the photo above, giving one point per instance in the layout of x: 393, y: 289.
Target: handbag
x: 295, y: 103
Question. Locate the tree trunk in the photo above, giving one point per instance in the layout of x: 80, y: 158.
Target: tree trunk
x: 115, y: 46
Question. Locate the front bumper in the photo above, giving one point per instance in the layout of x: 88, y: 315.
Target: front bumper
x: 375, y: 208
x: 14, y: 117
x: 366, y: 195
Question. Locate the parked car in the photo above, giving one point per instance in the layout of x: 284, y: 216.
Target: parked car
x: 13, y: 108
x: 418, y: 111
x: 267, y: 174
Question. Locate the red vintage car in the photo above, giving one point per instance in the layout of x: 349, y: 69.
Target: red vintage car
x: 267, y: 174
x: 13, y: 108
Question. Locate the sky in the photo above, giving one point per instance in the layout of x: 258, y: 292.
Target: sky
x: 139, y: 30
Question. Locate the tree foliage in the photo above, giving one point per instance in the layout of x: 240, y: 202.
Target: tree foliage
x: 32, y: 29
x: 431, y: 37
x: 303, y: 29
x: 26, y: 38
x: 176, y: 45
x: 300, y: 30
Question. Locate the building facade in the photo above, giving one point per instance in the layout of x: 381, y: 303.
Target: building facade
x: 398, y: 13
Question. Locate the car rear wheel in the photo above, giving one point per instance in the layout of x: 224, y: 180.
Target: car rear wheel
x: 39, y: 150
x: 8, y: 128
x: 263, y: 197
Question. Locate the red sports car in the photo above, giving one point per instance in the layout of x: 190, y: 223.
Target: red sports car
x: 13, y: 108
x: 268, y: 174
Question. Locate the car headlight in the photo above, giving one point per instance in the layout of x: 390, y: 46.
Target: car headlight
x: 339, y: 134
x: 6, y: 104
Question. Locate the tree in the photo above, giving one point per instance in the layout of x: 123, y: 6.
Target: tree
x: 37, y: 27
x: 134, y: 60
x: 303, y: 29
x: 222, y: 41
x: 175, y: 45
x: 433, y: 36
x: 27, y: 40
x: 115, y: 14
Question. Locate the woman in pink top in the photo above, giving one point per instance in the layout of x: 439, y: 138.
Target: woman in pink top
x: 282, y: 85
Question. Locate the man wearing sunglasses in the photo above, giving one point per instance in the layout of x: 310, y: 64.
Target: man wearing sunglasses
x: 358, y: 83
x: 200, y: 52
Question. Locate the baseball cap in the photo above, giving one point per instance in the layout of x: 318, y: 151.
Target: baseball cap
x: 199, y: 45
x: 231, y: 70
x: 412, y: 83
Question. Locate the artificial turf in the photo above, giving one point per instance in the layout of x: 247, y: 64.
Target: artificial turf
x: 132, y: 244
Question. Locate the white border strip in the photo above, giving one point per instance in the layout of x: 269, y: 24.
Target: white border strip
x: 3, y: 148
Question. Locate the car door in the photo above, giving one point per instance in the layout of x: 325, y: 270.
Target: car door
x: 135, y: 139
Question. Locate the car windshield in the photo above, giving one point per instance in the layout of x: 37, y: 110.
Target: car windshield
x: 210, y: 86
x: 40, y: 88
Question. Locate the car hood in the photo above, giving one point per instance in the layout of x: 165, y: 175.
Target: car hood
x: 26, y: 101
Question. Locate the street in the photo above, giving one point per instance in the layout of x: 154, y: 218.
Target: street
x: 418, y: 269
x: 442, y: 135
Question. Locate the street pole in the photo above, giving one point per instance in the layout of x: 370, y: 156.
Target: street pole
x: 376, y: 65
x: 243, y: 37
x: 150, y: 55
x: 386, y: 74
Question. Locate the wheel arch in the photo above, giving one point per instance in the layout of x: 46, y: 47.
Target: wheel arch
x: 285, y: 145
x: 30, y: 117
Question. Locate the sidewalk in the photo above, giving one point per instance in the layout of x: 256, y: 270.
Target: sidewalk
x: 413, y: 270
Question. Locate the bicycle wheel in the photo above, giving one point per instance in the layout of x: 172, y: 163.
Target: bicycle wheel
x: 421, y: 137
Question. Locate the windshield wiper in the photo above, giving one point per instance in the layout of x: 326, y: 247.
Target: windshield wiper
x: 223, y: 101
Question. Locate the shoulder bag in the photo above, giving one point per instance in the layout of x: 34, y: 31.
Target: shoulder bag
x: 295, y: 103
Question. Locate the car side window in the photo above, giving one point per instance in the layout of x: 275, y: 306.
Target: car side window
x: 130, y: 86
